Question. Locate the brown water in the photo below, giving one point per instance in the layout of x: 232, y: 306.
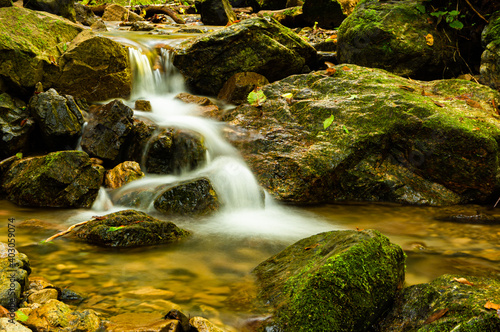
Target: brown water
x: 209, y: 274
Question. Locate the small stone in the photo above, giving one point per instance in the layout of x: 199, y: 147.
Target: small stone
x: 123, y: 173
x: 143, y: 105
x: 203, y: 325
x: 43, y: 296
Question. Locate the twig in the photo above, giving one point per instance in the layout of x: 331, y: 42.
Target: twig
x: 474, y: 9
x: 66, y: 231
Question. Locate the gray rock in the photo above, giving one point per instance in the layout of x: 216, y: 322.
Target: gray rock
x: 15, y: 125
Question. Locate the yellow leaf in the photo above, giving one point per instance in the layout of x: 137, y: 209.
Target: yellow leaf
x: 463, y: 281
x: 429, y: 39
x: 287, y: 95
x: 491, y: 305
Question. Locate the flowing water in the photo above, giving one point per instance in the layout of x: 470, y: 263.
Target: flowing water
x: 209, y: 273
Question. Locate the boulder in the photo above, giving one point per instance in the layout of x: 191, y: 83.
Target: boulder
x: 138, y: 138
x: 174, y: 151
x: 129, y: 228
x: 491, y: 31
x: 193, y: 197
x: 64, y: 8
x: 85, y: 15
x: 333, y: 281
x: 31, y: 43
x: 215, y: 12
x: 260, y: 45
x: 204, y: 325
x: 59, y: 119
x: 396, y: 36
x: 328, y: 14
x: 6, y: 3
x: 238, y: 86
x: 59, y: 179
x: 15, y: 125
x: 123, y: 173
x: 387, y: 138
x: 449, y: 303
x: 116, y: 12
x: 14, y: 271
x: 107, y: 130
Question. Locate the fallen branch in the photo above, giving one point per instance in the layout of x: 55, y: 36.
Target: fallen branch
x: 151, y: 10
x: 66, y: 231
x: 474, y: 9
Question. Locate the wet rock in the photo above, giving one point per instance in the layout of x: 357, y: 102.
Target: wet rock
x: 15, y: 125
x: 14, y: 271
x: 138, y: 139
x: 374, y: 36
x: 271, y: 4
x: 64, y: 8
x: 42, y: 296
x: 141, y: 26
x: 328, y: 14
x: 116, y: 12
x: 58, y: 118
x: 258, y: 45
x: 85, y: 15
x: 132, y: 322
x: 174, y: 151
x: 390, y: 139
x: 215, y: 12
x: 289, y: 17
x: 6, y: 324
x: 204, y: 325
x: 445, y: 304
x: 55, y: 316
x: 42, y: 34
x: 192, y: 197
x: 238, y: 86
x: 193, y: 99
x: 59, y: 179
x: 179, y: 316
x: 129, y: 228
x: 107, y: 130
x: 71, y: 297
x: 469, y: 214
x: 490, y: 65
x: 6, y: 3
x: 99, y: 26
x: 143, y: 105
x: 353, y: 276
x: 123, y: 173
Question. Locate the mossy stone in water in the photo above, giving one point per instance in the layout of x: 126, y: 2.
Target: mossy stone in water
x: 129, y: 228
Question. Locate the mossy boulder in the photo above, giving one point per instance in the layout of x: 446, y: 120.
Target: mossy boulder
x: 14, y: 272
x: 215, y: 12
x: 397, y: 36
x: 15, y: 125
x: 6, y: 3
x: 64, y: 8
x: 59, y: 179
x: 333, y: 281
x: 260, y: 45
x: 490, y: 65
x: 129, y: 228
x: 193, y: 197
x: 122, y: 174
x: 492, y: 30
x: 389, y: 138
x: 327, y: 13
x: 448, y: 303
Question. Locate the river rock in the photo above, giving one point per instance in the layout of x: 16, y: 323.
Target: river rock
x: 215, y: 12
x: 193, y: 197
x: 14, y: 272
x: 333, y: 281
x: 85, y: 15
x: 64, y: 8
x: 259, y: 45
x: 175, y: 150
x: 328, y: 14
x: 449, y: 303
x: 490, y: 59
x: 129, y: 228
x: 204, y: 325
x: 138, y: 138
x: 15, y: 125
x: 30, y: 45
x: 123, y: 173
x: 107, y: 130
x: 59, y: 179
x: 6, y: 324
x: 271, y: 4
x: 116, y: 12
x: 390, y: 138
x: 395, y: 36
x: 491, y: 31
x: 59, y: 119
x: 238, y: 86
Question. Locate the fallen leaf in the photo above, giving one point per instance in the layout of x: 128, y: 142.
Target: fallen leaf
x: 475, y: 129
x: 473, y: 103
x: 4, y: 312
x: 287, y: 95
x: 359, y: 229
x: 438, y: 104
x: 23, y: 122
x: 491, y: 305
x: 407, y: 88
x: 495, y: 106
x: 424, y: 93
x: 463, y: 281
x: 312, y: 246
x: 429, y: 39
x: 330, y: 71
x: 329, y: 64
x: 435, y: 316
x: 345, y: 68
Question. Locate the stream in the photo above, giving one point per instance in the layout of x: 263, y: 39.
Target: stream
x: 209, y: 274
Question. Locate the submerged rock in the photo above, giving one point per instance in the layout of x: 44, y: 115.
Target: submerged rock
x: 133, y: 322
x: 387, y: 138
x: 260, y: 45
x: 192, y: 197
x: 449, y: 303
x: 333, y: 281
x: 59, y: 179
x: 15, y: 125
x: 122, y: 174
x: 129, y: 228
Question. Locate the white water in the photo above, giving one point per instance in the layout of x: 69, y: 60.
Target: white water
x: 244, y: 212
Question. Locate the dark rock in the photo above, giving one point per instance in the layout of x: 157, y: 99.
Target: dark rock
x: 122, y: 174
x: 391, y: 139
x: 59, y: 119
x: 193, y: 197
x: 271, y: 4
x: 141, y: 26
x: 290, y: 17
x: 446, y: 304
x: 71, y: 297
x: 107, y: 130
x: 259, y: 45
x: 490, y: 65
x: 238, y: 86
x: 59, y: 179
x: 64, y: 8
x: 333, y: 281
x: 138, y: 138
x: 177, y: 315
x: 15, y: 125
x: 129, y: 228
x: 85, y: 15
x: 328, y: 14
x: 14, y: 271
x: 6, y: 3
x: 492, y: 31
x: 143, y: 105
x: 215, y: 12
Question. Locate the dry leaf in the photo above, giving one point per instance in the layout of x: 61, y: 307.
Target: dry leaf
x: 463, y: 281
x: 312, y: 246
x: 438, y: 104
x: 429, y: 39
x: 491, y: 305
x: 407, y: 88
x: 345, y: 68
x: 473, y: 103
x: 359, y: 229
x: 435, y: 316
x: 4, y: 312
x: 330, y: 71
x: 424, y: 93
x: 329, y: 64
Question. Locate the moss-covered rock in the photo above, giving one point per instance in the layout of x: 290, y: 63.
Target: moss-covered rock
x: 215, y: 12
x: 397, y: 36
x: 122, y: 174
x: 15, y: 125
x: 6, y: 3
x: 64, y: 8
x: 327, y: 13
x: 492, y: 31
x: 333, y: 281
x: 59, y: 179
x: 261, y: 45
x: 446, y: 304
x: 390, y: 138
x: 129, y: 228
x: 490, y: 65
x: 238, y: 86
x: 14, y: 271
x: 193, y: 197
